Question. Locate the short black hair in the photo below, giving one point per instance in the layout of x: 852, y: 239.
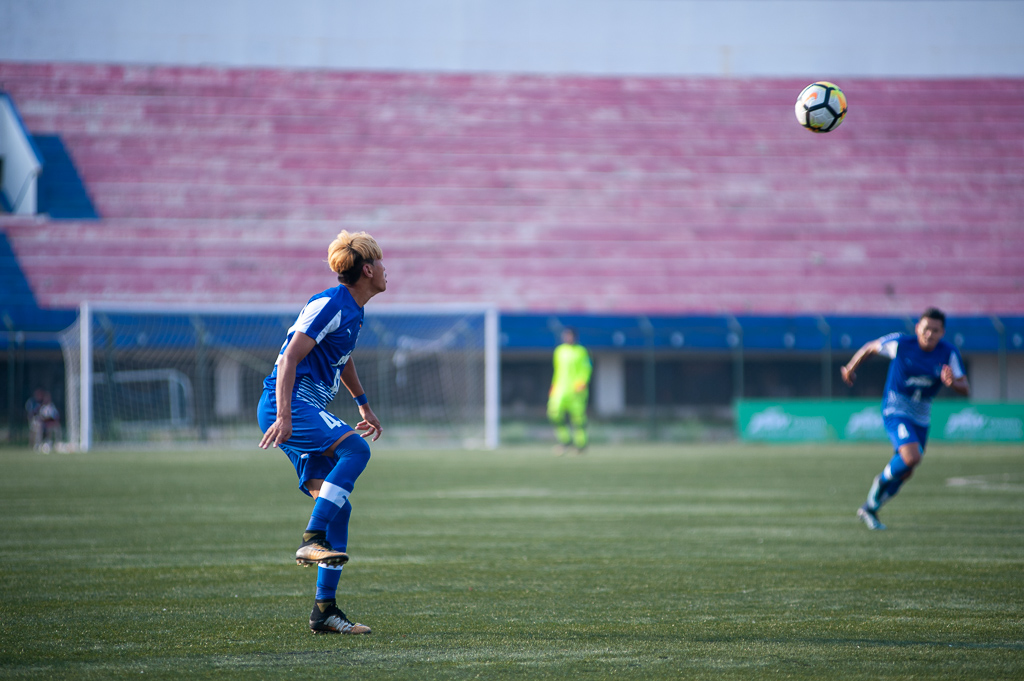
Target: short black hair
x: 352, y: 274
x: 936, y: 314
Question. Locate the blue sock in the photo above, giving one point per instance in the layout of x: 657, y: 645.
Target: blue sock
x: 337, y: 531
x: 890, y: 491
x: 337, y: 534
x: 353, y: 455
x: 896, y: 470
x: 327, y: 577
x: 327, y: 507
x: 891, y: 479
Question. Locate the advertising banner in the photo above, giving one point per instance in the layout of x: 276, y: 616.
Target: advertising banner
x: 861, y: 420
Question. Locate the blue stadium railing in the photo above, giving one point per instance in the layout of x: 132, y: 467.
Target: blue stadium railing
x: 807, y: 333
x: 536, y: 332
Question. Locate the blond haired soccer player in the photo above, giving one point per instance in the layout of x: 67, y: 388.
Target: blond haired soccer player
x: 314, y: 362
x: 569, y: 391
x: 921, y: 364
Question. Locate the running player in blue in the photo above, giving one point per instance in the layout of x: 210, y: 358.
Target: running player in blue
x: 921, y: 364
x: 314, y: 362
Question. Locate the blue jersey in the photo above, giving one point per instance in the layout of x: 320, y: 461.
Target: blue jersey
x: 913, y: 378
x: 333, y: 320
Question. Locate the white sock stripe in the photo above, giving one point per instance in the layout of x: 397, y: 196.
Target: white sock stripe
x: 887, y: 473
x: 330, y: 567
x: 872, y: 502
x: 334, y: 494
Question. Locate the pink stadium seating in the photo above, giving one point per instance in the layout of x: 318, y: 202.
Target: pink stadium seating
x: 660, y: 195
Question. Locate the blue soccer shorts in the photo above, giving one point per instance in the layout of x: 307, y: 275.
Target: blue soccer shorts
x: 314, y: 430
x: 902, y: 431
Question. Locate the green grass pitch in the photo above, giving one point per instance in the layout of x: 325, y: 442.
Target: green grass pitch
x: 646, y: 562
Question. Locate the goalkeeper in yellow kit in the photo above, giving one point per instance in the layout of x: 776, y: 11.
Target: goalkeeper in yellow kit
x: 569, y: 391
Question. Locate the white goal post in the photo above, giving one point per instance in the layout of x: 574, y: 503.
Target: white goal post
x: 162, y: 374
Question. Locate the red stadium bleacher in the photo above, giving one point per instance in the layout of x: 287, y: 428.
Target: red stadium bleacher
x: 662, y: 195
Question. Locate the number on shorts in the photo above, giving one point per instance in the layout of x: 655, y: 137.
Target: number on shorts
x: 331, y: 420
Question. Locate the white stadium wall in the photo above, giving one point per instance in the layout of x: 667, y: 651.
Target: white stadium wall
x: 730, y: 38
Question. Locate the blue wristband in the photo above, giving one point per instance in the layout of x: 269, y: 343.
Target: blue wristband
x: 361, y: 400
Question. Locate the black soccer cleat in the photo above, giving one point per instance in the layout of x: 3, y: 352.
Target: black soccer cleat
x: 316, y: 550
x: 328, y: 618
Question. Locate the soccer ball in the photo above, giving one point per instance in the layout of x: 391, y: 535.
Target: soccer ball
x: 821, y: 107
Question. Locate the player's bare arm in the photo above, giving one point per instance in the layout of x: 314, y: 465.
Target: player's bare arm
x: 849, y: 370
x: 959, y: 384
x: 299, y: 346
x: 370, y: 425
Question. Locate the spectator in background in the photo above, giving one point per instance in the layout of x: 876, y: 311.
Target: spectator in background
x: 569, y: 392
x: 49, y: 424
x: 35, y: 424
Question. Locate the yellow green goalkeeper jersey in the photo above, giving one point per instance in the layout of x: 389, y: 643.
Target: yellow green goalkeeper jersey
x: 572, y: 367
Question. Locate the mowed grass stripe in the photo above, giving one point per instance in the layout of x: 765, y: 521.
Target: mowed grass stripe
x: 717, y: 562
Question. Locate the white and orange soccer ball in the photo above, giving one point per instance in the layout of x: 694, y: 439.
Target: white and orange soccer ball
x: 821, y: 107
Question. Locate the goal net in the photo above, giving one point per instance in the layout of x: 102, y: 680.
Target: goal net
x: 165, y: 375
